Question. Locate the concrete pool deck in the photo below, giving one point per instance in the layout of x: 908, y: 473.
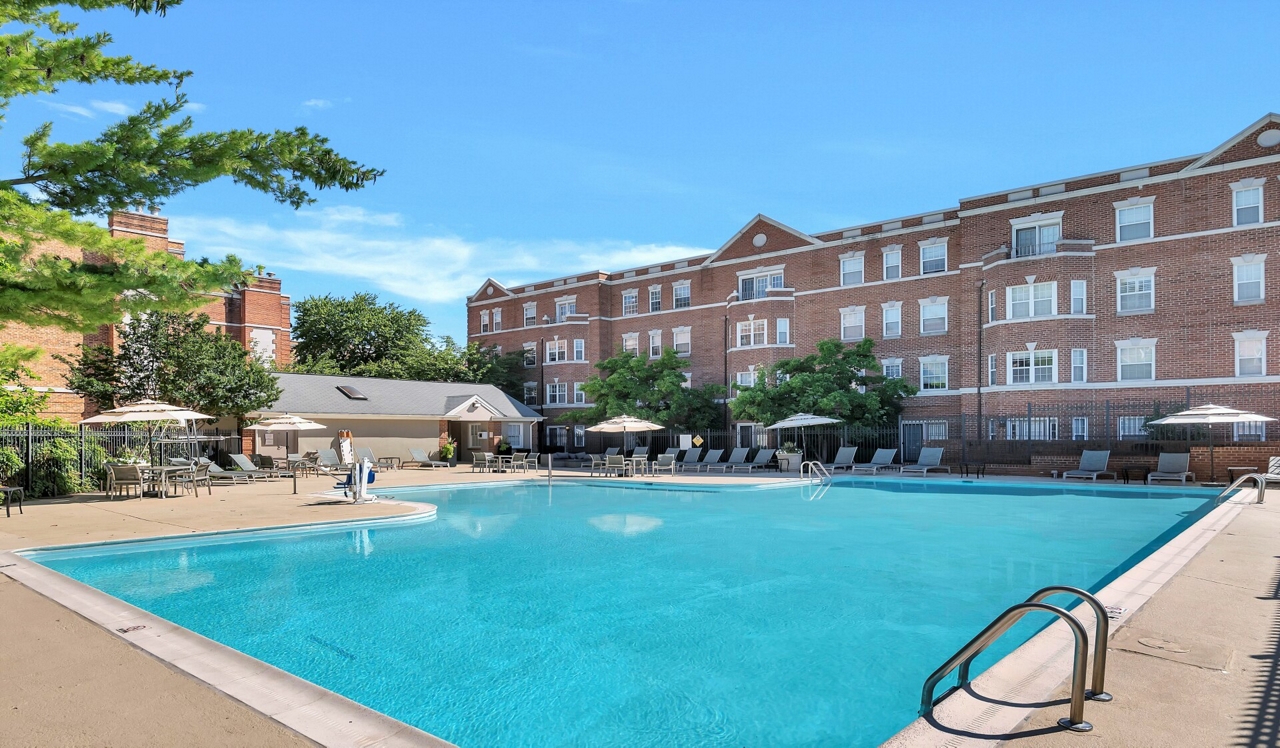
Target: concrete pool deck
x: 68, y: 681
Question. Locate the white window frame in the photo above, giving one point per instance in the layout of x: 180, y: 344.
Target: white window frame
x: 514, y: 434
x: 1135, y: 275
x: 1079, y: 364
x: 655, y: 299
x: 579, y: 349
x: 556, y: 350
x: 1079, y: 428
x: 1249, y: 261
x: 579, y: 397
x: 557, y: 393
x: 1249, y: 431
x: 1131, y: 427
x: 1247, y: 186
x: 929, y: 246
x: 891, y: 311
x: 992, y: 309
x: 853, y: 269
x: 1045, y: 291
x: 530, y: 355
x: 580, y: 435
x: 1040, y: 224
x: 755, y: 332
x: 887, y: 363
x: 530, y: 393
x: 945, y: 362
x: 772, y: 277
x: 631, y: 302
x: 566, y: 306
x: 1080, y: 293
x: 682, y: 340
x: 1037, y: 372
x: 677, y: 297
x: 936, y: 301
x: 1135, y: 203
x: 892, y: 258
x: 1250, y: 339
x: 655, y: 341
x: 484, y: 321
x: 853, y: 318
x: 1132, y: 344
x: 992, y: 369
x: 497, y: 320
x: 782, y: 331
x: 531, y: 314
x: 631, y: 343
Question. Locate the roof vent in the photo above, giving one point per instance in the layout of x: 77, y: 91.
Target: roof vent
x: 351, y: 392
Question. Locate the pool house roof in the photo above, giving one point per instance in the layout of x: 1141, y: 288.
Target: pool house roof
x: 317, y: 395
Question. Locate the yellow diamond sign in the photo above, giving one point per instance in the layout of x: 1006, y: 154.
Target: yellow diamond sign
x: 697, y: 441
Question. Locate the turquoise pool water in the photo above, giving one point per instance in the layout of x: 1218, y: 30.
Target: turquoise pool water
x: 605, y: 615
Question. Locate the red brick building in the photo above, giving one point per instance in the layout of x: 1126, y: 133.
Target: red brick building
x: 1127, y: 284
x: 257, y: 315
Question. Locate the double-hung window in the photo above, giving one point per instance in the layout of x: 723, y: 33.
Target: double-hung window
x: 680, y: 295
x: 933, y: 373
x: 557, y: 350
x: 753, y: 333
x: 892, y: 368
x: 1134, y: 220
x: 1079, y: 365
x: 579, y: 397
x: 530, y: 314
x: 579, y: 350
x: 558, y: 393
x: 853, y: 323
x: 1131, y: 427
x: 530, y: 355
x: 497, y: 320
x: 530, y: 393
x: 933, y: 316
x: 991, y: 306
x: 1135, y: 294
x: 1246, y: 202
x: 655, y: 343
x: 484, y: 321
x: 1079, y: 291
x: 1136, y: 360
x: 1251, y: 353
x: 783, y: 331
x: 1036, y: 238
x: 631, y: 343
x: 893, y: 263
x: 745, y: 379
x: 1248, y: 274
x: 564, y: 309
x: 757, y: 286
x: 655, y: 299
x: 933, y: 258
x: 630, y: 303
x: 851, y: 271
x: 992, y: 369
x: 1033, y: 367
x: 1079, y: 428
x: 680, y: 340
x: 1032, y: 300
x: 891, y: 319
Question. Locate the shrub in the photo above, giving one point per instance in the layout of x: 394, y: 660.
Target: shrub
x: 10, y: 464
x: 55, y: 467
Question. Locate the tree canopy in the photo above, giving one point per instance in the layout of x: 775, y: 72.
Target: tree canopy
x: 652, y: 389
x: 138, y: 162
x: 838, y: 381
x: 359, y: 336
x: 172, y: 357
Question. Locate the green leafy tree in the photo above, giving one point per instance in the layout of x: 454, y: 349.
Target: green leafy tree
x: 19, y: 402
x: 838, y: 381
x: 652, y: 389
x: 140, y: 161
x: 173, y: 357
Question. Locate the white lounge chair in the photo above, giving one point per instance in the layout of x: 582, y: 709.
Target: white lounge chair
x: 422, y: 459
x: 930, y: 459
x: 1093, y: 462
x: 881, y: 460
x: 1172, y: 466
x: 844, y: 459
x: 761, y: 461
x: 736, y: 457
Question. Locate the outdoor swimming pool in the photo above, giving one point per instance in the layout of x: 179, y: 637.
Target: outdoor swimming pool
x: 610, y: 614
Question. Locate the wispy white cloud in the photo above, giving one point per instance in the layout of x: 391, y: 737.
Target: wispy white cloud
x: 111, y: 107
x: 317, y: 103
x: 195, y: 106
x: 79, y: 111
x: 352, y: 244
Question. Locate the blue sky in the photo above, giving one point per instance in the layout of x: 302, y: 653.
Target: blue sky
x: 538, y: 139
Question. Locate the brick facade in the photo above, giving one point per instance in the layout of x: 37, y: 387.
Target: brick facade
x: 1185, y: 267
x: 256, y: 315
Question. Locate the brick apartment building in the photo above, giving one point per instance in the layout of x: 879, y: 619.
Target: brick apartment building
x: 1129, y: 283
x: 257, y: 315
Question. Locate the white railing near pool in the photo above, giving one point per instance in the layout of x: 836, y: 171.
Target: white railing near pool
x: 815, y: 471
x: 1257, y: 478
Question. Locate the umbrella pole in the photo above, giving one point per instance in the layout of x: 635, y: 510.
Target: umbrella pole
x: 1213, y: 473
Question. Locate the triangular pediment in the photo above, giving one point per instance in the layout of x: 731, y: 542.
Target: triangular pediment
x: 761, y: 235
x: 490, y: 289
x: 1249, y: 143
x: 473, y: 408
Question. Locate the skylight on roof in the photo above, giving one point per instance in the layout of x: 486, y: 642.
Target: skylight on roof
x: 352, y: 392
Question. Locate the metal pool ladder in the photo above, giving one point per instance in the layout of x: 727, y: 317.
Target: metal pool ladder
x: 815, y: 471
x: 965, y: 657
x: 1257, y: 478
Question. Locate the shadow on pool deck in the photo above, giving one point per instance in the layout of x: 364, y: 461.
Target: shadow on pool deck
x: 1264, y: 706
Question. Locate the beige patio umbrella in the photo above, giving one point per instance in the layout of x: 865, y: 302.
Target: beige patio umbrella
x: 151, y: 411
x: 625, y: 425
x: 1208, y: 415
x: 286, y: 422
x: 801, y: 420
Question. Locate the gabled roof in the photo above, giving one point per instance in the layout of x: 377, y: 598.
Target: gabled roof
x: 755, y: 223
x: 318, y: 395
x: 1208, y: 158
x: 502, y: 291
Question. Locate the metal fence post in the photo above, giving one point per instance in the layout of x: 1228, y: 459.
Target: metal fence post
x: 1106, y: 420
x: 82, y: 453
x: 1029, y: 433
x: 964, y: 440
x: 30, y: 456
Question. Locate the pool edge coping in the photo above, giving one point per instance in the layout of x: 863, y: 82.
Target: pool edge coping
x: 318, y: 714
x: 1034, y: 671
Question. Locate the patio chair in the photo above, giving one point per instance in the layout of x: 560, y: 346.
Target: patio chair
x: 531, y: 460
x: 597, y: 463
x: 120, y: 478
x: 1093, y: 462
x: 930, y: 459
x: 881, y: 460
x: 302, y: 465
x: 665, y: 462
x: 328, y: 459
x: 712, y: 457
x: 249, y: 468
x: 8, y: 493
x: 844, y: 459
x: 690, y: 459
x: 217, y: 474
x: 481, y: 462
x: 198, y: 476
x: 736, y: 457
x: 761, y: 461
x: 1172, y: 466
x: 422, y: 459
x: 616, y: 465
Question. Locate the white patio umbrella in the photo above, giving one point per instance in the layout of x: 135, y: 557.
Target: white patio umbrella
x: 1208, y: 415
x: 151, y: 411
x: 800, y: 421
x: 286, y: 422
x: 625, y: 425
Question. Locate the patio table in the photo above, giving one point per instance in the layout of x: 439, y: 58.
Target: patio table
x: 638, y: 465
x: 158, y: 475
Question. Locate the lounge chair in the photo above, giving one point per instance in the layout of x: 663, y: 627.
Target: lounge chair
x: 328, y: 459
x: 1093, y: 462
x: 881, y: 460
x: 248, y: 468
x: 301, y: 465
x: 761, y: 461
x: 736, y: 457
x: 1172, y: 466
x: 844, y: 459
x: 930, y: 459
x: 217, y: 474
x: 690, y: 460
x: 612, y: 451
x: 382, y: 463
x: 673, y: 451
x: 712, y: 457
x: 422, y: 459
x: 665, y: 462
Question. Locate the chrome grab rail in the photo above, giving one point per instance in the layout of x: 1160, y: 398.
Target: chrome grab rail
x: 1079, y: 671
x: 815, y: 470
x: 1258, y: 478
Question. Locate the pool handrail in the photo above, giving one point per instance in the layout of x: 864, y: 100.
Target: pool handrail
x: 1075, y: 721
x: 816, y: 471
x: 1260, y: 479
